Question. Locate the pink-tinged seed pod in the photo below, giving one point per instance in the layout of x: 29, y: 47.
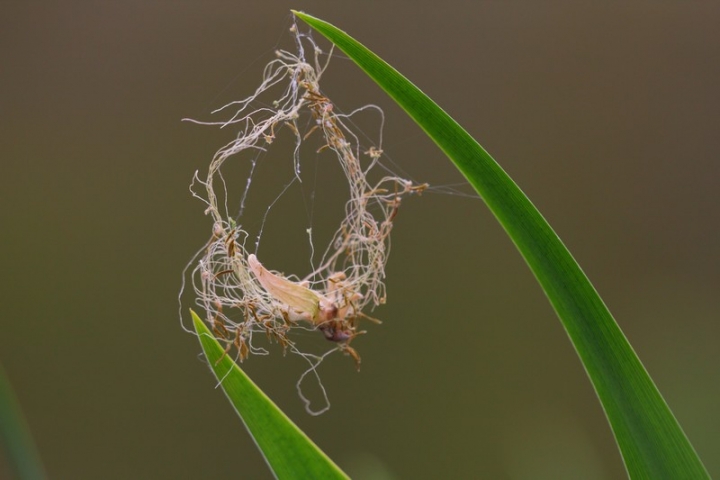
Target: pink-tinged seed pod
x: 299, y: 298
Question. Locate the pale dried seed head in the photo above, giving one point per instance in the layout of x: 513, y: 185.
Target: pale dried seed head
x: 350, y: 277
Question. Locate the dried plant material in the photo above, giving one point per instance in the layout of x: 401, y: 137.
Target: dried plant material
x: 241, y: 297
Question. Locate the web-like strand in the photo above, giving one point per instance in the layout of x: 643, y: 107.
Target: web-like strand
x: 242, y: 298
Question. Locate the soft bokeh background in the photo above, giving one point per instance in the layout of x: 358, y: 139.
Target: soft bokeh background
x: 607, y: 116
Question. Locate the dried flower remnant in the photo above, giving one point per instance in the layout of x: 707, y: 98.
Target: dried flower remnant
x: 243, y: 298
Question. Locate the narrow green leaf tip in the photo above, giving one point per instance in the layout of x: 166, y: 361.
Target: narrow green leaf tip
x: 287, y: 450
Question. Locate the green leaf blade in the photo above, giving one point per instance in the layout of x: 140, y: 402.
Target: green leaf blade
x: 650, y: 439
x: 289, y: 453
x: 16, y: 443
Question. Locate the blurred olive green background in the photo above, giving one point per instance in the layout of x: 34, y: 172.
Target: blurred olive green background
x: 607, y: 116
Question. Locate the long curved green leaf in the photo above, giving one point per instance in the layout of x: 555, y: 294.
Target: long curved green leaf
x: 651, y: 441
x: 287, y: 450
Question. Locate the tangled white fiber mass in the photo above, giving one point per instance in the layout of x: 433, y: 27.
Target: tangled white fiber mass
x: 239, y: 295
